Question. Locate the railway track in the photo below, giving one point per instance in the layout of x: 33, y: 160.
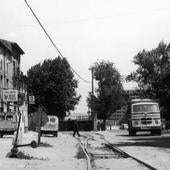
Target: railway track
x: 97, y: 149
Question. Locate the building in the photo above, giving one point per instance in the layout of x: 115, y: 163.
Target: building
x: 10, y: 54
x: 133, y: 94
x: 119, y: 115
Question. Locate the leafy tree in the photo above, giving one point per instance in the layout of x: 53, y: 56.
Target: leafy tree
x: 53, y: 85
x: 153, y: 74
x: 20, y: 83
x: 109, y: 94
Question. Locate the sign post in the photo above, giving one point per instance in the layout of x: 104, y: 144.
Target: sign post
x: 12, y: 96
x: 31, y: 99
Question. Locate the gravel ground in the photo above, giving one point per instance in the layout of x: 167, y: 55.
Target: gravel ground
x: 54, y: 153
x: 61, y: 153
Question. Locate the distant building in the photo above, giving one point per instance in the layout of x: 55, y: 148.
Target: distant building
x: 119, y: 115
x: 10, y: 54
x: 133, y: 94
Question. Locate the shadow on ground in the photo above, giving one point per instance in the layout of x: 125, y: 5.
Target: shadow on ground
x: 45, y: 145
x: 6, y: 136
x: 146, y: 140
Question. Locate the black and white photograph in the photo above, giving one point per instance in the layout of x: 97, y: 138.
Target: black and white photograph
x: 85, y: 85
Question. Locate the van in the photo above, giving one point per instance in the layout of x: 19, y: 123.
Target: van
x: 51, y: 127
x: 8, y: 123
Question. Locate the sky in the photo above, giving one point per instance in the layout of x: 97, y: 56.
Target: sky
x: 86, y: 31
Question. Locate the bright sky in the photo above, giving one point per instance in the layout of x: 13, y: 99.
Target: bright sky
x: 86, y: 31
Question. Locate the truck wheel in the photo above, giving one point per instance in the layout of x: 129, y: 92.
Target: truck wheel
x: 153, y: 132
x: 159, y: 132
x: 156, y: 132
x: 34, y: 144
x: 1, y: 135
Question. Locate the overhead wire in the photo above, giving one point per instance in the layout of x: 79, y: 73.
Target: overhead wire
x: 32, y: 11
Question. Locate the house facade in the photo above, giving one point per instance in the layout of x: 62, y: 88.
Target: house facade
x: 10, y: 55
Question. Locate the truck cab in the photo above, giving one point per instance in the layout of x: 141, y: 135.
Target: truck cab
x: 144, y: 115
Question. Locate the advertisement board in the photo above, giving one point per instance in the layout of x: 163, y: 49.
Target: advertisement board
x: 10, y: 95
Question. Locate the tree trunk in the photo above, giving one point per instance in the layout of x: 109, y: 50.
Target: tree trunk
x: 104, y: 124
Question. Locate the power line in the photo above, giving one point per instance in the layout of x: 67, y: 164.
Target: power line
x: 53, y: 41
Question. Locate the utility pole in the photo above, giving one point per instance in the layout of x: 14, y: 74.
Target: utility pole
x: 92, y: 72
x: 94, y: 115
x: 4, y: 79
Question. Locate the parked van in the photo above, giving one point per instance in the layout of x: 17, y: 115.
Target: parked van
x: 51, y: 127
x: 8, y: 123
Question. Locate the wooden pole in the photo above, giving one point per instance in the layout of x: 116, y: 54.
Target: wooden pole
x: 94, y: 115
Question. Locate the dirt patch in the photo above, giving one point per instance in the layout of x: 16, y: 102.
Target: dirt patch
x: 80, y: 153
x: 22, y: 155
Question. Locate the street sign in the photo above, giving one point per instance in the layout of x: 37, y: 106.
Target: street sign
x: 31, y: 99
x: 10, y: 95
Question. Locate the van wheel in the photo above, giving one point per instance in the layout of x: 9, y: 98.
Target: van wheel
x: 132, y: 133
x: 34, y: 144
x: 158, y: 132
x: 55, y: 134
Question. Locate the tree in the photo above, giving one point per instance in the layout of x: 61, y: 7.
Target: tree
x: 20, y: 83
x: 54, y: 87
x: 153, y: 73
x: 109, y: 94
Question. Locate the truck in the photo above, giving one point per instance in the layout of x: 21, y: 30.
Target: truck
x: 8, y: 123
x: 144, y: 115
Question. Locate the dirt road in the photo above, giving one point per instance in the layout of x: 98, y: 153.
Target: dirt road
x: 155, y: 150
x: 64, y: 153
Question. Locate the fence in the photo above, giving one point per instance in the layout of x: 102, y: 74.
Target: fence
x: 166, y: 125
x: 84, y: 125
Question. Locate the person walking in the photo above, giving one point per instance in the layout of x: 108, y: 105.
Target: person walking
x: 76, y: 129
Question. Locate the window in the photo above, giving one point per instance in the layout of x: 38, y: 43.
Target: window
x: 7, y: 84
x: 0, y: 65
x: 14, y: 68
x: 1, y: 81
x: 52, y: 120
x: 6, y: 71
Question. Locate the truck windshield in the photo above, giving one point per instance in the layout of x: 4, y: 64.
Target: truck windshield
x: 146, y: 108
